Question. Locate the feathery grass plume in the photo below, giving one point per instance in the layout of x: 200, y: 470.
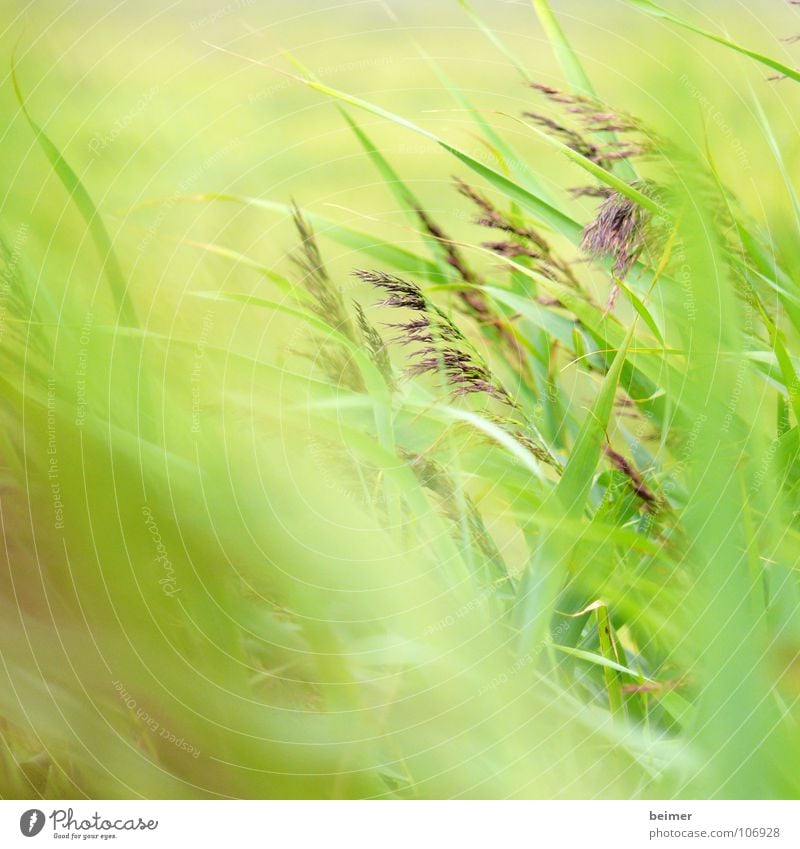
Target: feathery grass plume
x: 464, y: 373
x: 594, y: 115
x: 571, y: 138
x: 376, y: 347
x: 445, y: 350
x: 619, y: 232
x: 537, y: 450
x: 473, y: 302
x: 538, y: 248
x: 493, y: 218
x: 596, y: 139
x: 344, y: 473
x: 399, y: 293
x: 434, y: 477
x: 328, y: 304
x: 442, y: 348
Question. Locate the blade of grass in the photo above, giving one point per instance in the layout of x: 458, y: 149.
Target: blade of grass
x: 372, y: 377
x: 791, y: 381
x: 383, y: 252
x: 405, y: 197
x: 83, y: 201
x: 567, y: 58
x: 494, y: 38
x: 509, y: 159
x: 675, y: 704
x: 640, y: 308
x: 608, y: 649
x: 573, y: 69
x: 547, y: 214
x: 598, y: 172
x: 286, y: 286
x: 541, y: 582
x: 600, y: 660
x: 659, y: 12
x: 575, y: 483
x: 777, y: 154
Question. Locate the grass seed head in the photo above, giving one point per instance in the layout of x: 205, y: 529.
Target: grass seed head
x: 618, y: 232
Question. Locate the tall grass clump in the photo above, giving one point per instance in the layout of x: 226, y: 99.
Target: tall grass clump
x: 509, y: 511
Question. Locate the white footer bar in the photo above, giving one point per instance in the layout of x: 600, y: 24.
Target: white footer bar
x: 405, y: 825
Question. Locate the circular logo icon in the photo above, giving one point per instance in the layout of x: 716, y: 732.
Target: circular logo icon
x: 31, y: 822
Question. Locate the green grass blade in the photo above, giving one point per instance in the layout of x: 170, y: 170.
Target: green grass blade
x: 608, y: 649
x: 286, y: 286
x: 405, y: 197
x: 570, y: 64
x: 777, y: 153
x: 511, y: 161
x: 575, y: 483
x: 85, y: 205
x: 640, y: 308
x: 493, y: 37
x: 785, y: 364
x: 659, y: 12
x: 597, y: 171
x: 529, y: 201
x: 357, y: 240
x: 375, y: 383
x: 599, y: 660
x: 543, y: 579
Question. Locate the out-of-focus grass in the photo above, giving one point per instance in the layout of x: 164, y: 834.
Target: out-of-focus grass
x: 241, y: 563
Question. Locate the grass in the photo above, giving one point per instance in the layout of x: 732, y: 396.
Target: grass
x: 485, y: 496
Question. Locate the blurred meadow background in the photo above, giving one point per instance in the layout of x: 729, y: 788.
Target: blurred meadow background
x: 246, y: 553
